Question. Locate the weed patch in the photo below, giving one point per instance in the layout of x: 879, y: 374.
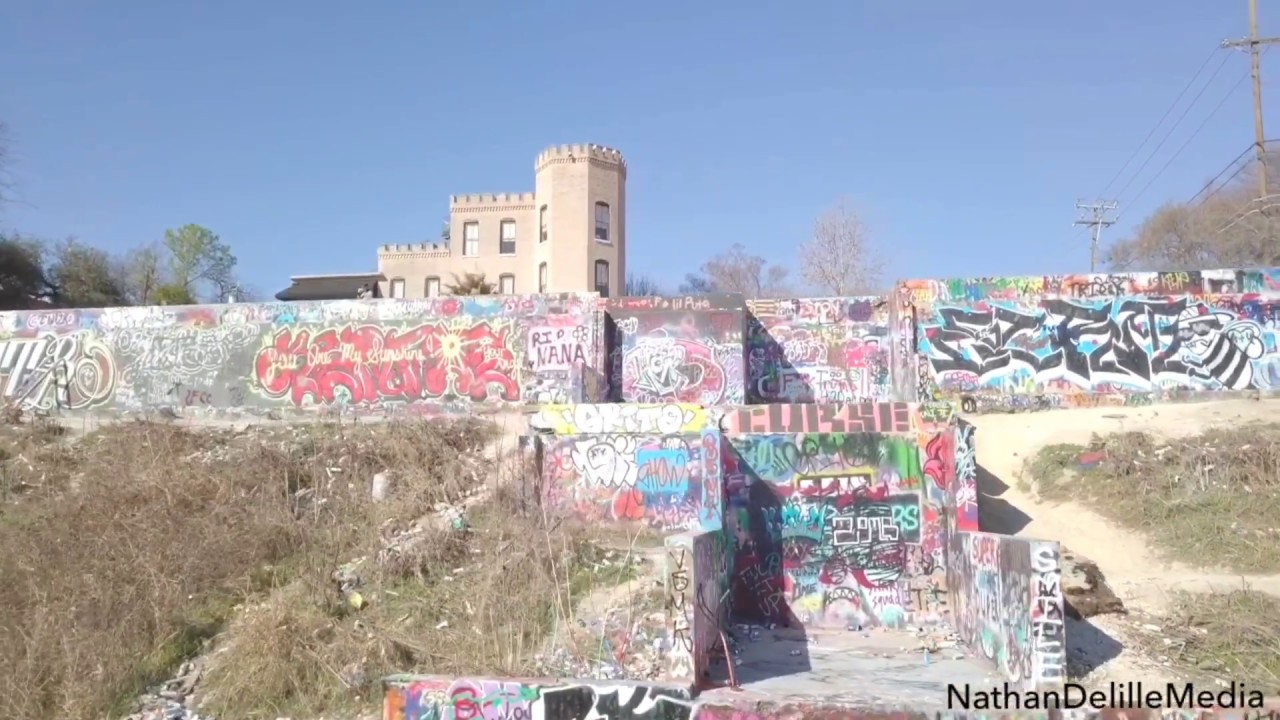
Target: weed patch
x: 1208, y: 500
x: 127, y: 549
x: 1225, y: 636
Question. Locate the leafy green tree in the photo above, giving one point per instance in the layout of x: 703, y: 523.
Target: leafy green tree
x: 23, y: 280
x: 85, y: 277
x: 471, y: 284
x: 172, y: 294
x: 199, y: 262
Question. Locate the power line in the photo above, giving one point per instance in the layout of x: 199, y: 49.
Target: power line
x: 1191, y: 137
x: 1154, y: 128
x: 1151, y: 133
x: 1213, y: 183
x: 1175, y: 124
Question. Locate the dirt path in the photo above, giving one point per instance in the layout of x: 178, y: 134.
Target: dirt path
x: 1104, y: 645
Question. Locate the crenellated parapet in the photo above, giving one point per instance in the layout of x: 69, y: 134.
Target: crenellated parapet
x: 413, y: 250
x: 492, y: 201
x: 597, y: 155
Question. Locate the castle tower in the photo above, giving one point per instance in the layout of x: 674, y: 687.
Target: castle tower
x: 581, y: 193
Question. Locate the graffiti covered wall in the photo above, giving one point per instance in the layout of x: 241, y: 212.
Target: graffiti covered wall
x: 823, y: 350
x: 1059, y: 341
x: 1007, y: 604
x: 697, y: 583
x: 437, y: 698
x: 669, y: 482
x: 679, y: 349
x: 837, y: 513
x: 356, y: 355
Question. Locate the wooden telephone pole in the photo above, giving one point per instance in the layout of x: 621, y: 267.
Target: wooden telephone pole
x: 1096, y: 220
x: 1254, y: 45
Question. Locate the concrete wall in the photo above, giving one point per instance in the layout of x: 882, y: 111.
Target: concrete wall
x: 697, y: 584
x: 825, y: 350
x: 839, y: 521
x: 437, y: 698
x: 348, y: 355
x: 680, y: 349
x: 1057, y: 341
x: 669, y: 482
x: 1007, y: 604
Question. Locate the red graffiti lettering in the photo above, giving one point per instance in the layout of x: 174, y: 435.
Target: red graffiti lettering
x: 374, y: 364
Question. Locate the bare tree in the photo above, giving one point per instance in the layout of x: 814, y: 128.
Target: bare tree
x: 85, y: 276
x: 641, y: 286
x: 840, y: 259
x: 1229, y: 226
x: 144, y: 271
x: 738, y: 271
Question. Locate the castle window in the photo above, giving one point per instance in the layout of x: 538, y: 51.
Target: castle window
x: 433, y: 287
x: 542, y: 278
x: 397, y: 288
x: 507, y: 240
x: 602, y: 221
x: 470, y: 239
x: 602, y: 278
x: 542, y: 224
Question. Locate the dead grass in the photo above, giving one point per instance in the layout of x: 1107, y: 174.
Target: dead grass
x: 128, y: 549
x: 1211, y: 500
x: 479, y: 601
x: 1225, y: 636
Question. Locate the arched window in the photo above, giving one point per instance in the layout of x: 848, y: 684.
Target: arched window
x: 602, y: 278
x: 542, y: 278
x: 602, y: 222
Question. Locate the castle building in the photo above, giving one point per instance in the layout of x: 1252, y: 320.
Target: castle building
x: 568, y: 235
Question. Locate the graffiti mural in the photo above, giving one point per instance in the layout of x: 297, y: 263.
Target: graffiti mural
x: 668, y: 482
x: 374, y: 364
x: 1007, y: 604
x: 837, y: 529
x: 697, y: 583
x: 825, y: 418
x: 1065, y: 338
x: 49, y: 372
x: 1049, y: 664
x: 361, y: 356
x: 677, y: 350
x: 964, y: 497
x: 825, y: 350
x: 584, y: 419
x: 432, y: 698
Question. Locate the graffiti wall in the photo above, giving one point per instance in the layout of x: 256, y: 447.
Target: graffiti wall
x: 434, y: 698
x: 697, y: 584
x: 823, y: 350
x: 437, y: 698
x: 1007, y: 604
x: 667, y: 481
x: 838, y: 515
x: 680, y: 349
x: 1059, y: 341
x: 585, y: 419
x: 356, y: 355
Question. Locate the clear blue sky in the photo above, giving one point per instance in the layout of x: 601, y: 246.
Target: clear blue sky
x: 308, y: 133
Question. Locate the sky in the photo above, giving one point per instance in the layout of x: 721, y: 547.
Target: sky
x: 308, y: 133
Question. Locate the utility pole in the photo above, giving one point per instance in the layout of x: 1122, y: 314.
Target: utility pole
x: 1097, y: 219
x: 1254, y: 45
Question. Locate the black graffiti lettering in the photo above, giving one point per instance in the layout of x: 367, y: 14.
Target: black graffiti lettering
x: 1116, y: 340
x: 641, y: 703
